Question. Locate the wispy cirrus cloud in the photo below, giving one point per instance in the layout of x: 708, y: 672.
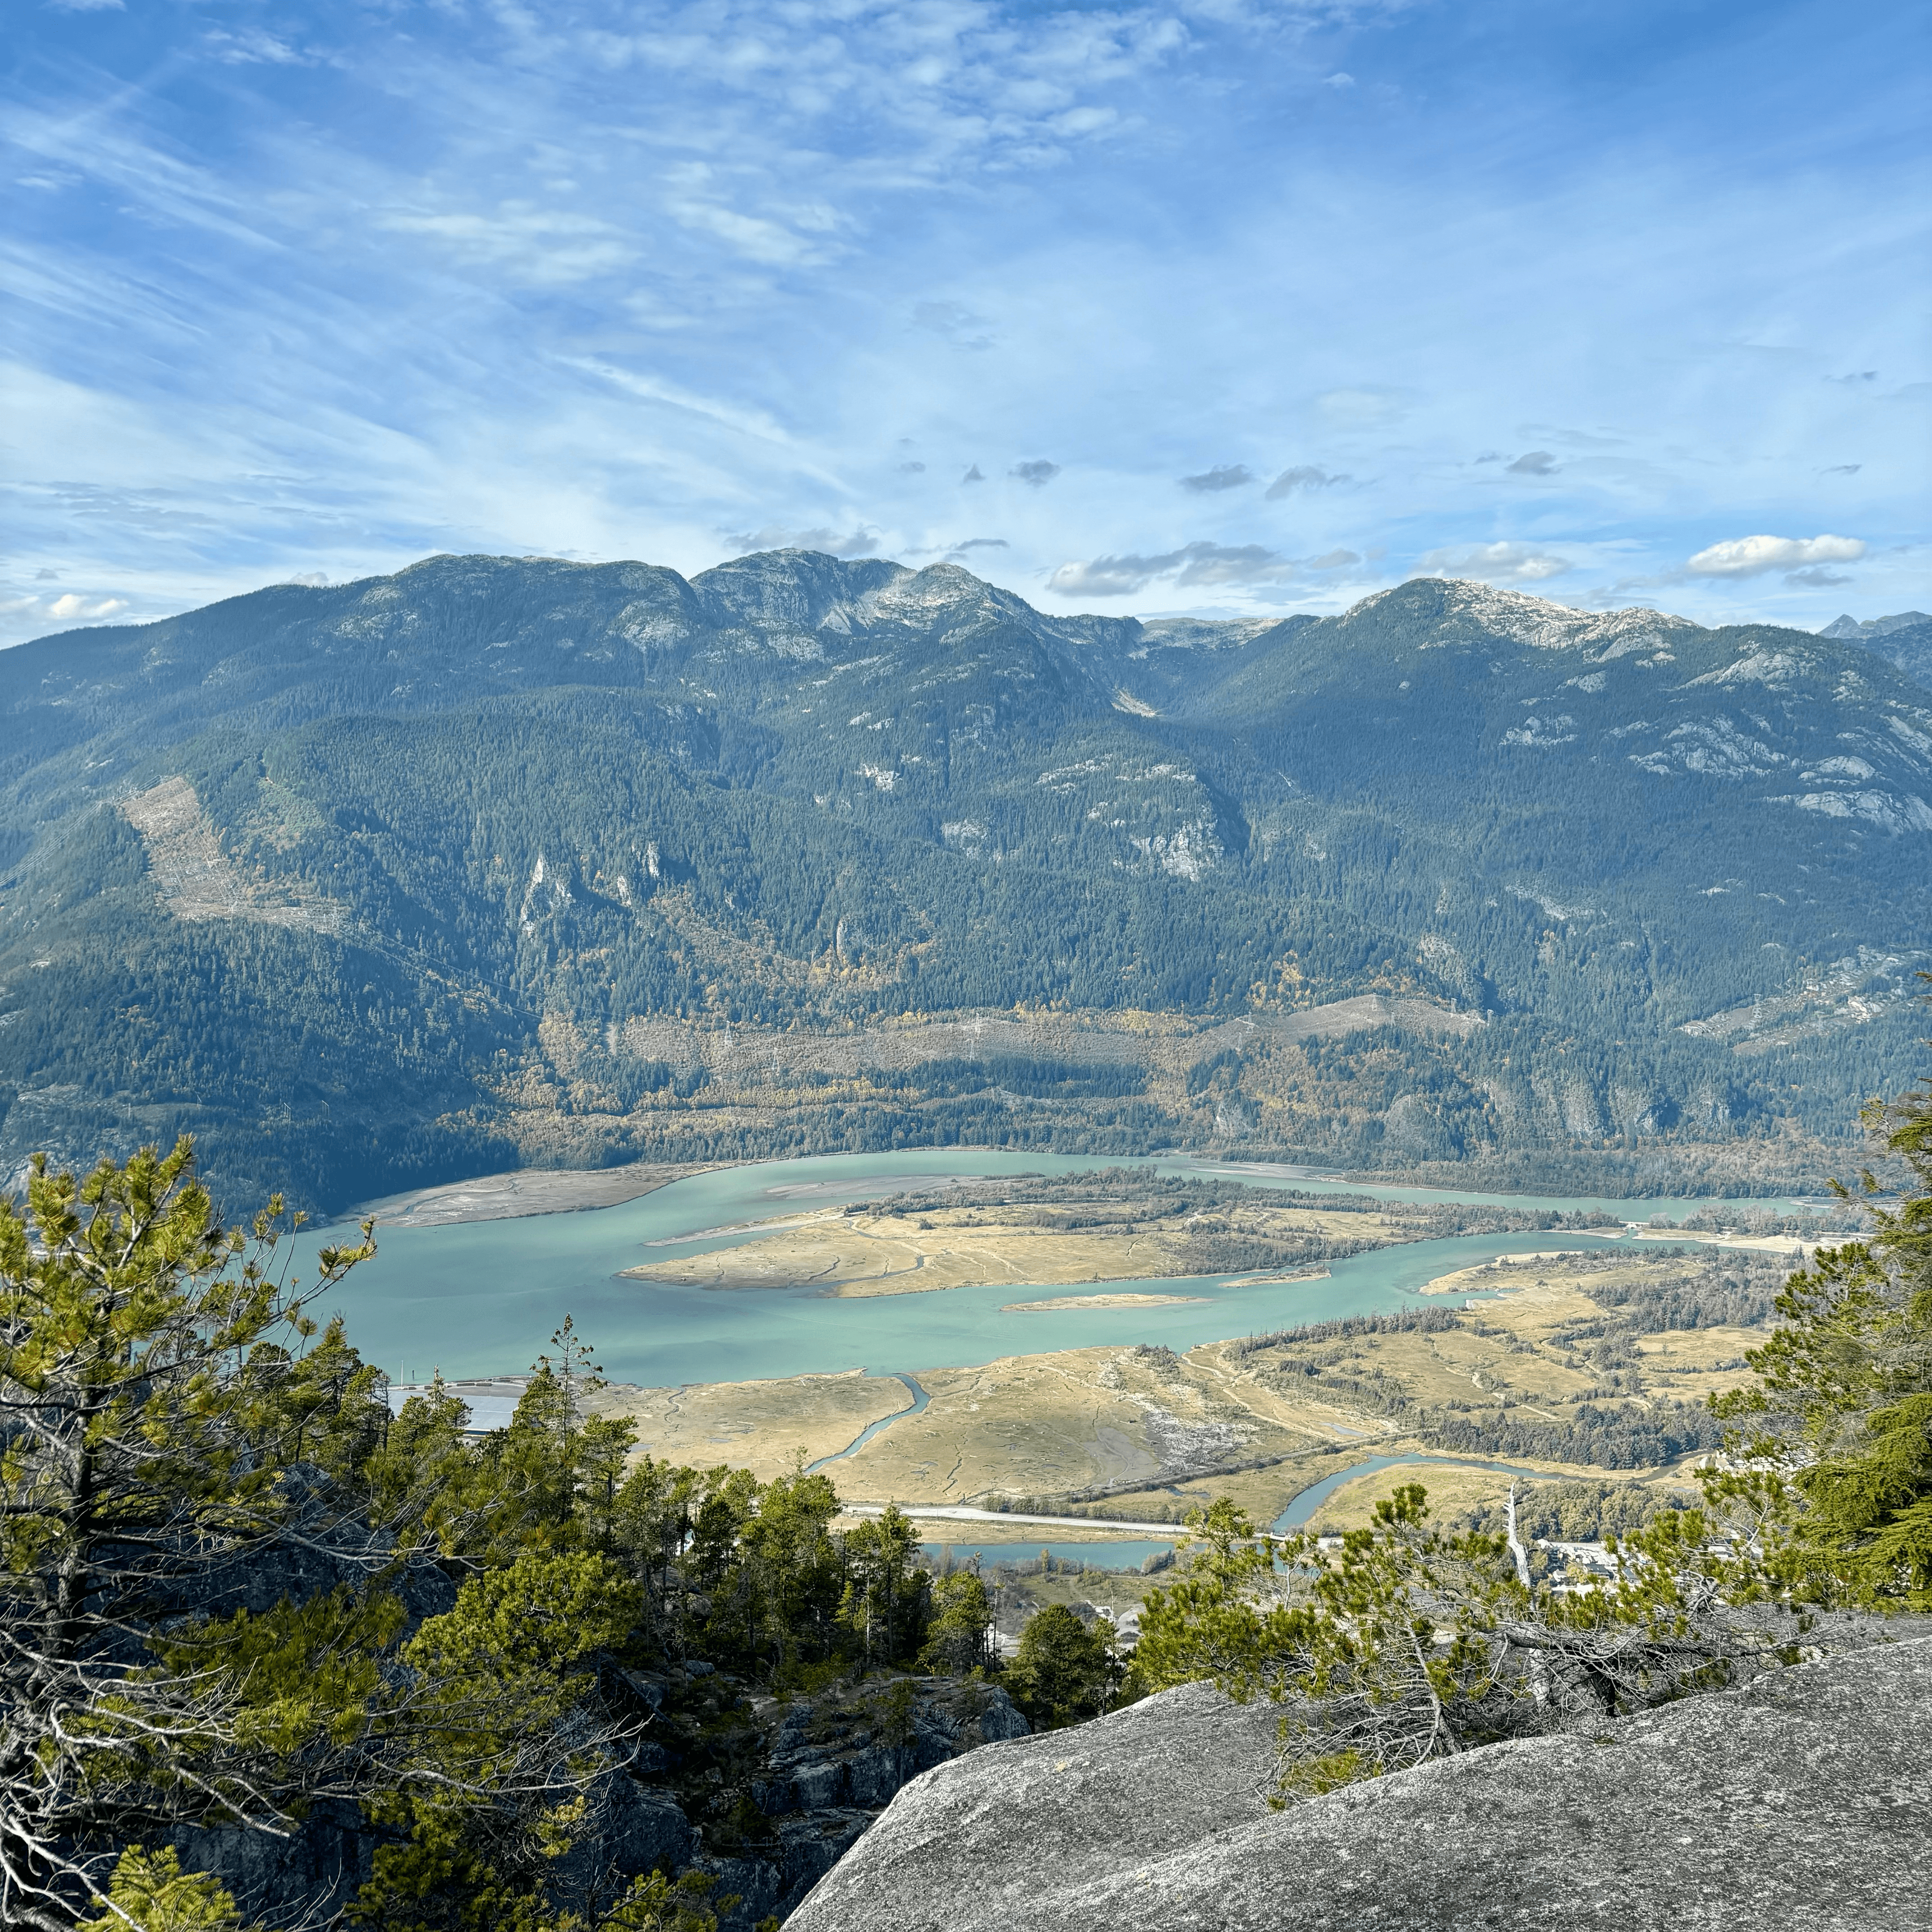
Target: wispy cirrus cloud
x: 540, y: 247
x: 1304, y: 476
x: 329, y: 290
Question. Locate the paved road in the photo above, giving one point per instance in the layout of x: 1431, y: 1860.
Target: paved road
x: 959, y: 1513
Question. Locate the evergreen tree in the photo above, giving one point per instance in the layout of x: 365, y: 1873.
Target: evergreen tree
x: 1064, y: 1671
x: 1833, y: 1443
x: 164, y: 1448
x: 960, y: 1639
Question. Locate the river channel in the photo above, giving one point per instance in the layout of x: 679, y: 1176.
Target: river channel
x: 481, y: 1298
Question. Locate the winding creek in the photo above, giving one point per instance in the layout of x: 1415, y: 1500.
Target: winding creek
x: 920, y: 1399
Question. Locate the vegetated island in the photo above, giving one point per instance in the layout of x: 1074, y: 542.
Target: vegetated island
x: 1119, y: 1223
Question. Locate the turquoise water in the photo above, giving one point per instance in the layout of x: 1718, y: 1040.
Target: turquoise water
x: 1302, y: 1509
x: 920, y: 1399
x: 481, y: 1297
x: 1130, y: 1552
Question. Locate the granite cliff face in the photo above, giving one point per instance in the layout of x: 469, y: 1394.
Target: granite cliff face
x: 1802, y: 1799
x: 764, y: 1796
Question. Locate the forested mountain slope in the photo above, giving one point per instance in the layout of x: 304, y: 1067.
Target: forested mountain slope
x: 498, y: 860
x: 1903, y: 639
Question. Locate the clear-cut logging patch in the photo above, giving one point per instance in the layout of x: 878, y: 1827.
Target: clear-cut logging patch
x: 196, y: 880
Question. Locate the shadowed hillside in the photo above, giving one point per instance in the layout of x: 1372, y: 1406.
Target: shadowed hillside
x: 498, y: 861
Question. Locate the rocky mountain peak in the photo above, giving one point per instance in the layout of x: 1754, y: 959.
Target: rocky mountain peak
x: 1849, y: 628
x: 792, y: 589
x: 1457, y: 609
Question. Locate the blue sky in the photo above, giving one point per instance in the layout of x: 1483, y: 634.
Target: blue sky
x: 1226, y: 308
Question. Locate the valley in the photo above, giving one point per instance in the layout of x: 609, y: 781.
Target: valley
x: 1170, y: 962
x: 503, y: 865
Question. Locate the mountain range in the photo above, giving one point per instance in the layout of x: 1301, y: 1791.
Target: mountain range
x: 1904, y: 639
x: 505, y: 861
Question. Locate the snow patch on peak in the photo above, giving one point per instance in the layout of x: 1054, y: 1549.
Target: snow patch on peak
x: 1536, y: 621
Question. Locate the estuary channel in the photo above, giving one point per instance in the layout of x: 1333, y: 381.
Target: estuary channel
x: 481, y: 1298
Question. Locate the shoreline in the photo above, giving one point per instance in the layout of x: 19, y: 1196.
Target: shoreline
x: 519, y: 1192
x: 527, y: 1191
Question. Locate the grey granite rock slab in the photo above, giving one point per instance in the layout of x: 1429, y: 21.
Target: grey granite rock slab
x: 1803, y: 1800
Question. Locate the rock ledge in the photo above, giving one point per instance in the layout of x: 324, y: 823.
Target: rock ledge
x: 1802, y: 1799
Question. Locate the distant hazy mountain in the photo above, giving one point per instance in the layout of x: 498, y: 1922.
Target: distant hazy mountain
x: 1848, y: 626
x: 496, y: 860
x: 1904, y: 639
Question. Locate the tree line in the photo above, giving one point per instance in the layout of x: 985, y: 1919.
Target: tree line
x: 235, y: 1587
x: 1406, y: 1640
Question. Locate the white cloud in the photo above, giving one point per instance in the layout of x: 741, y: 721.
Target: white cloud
x: 253, y: 45
x: 1494, y: 563
x: 73, y: 605
x: 860, y: 542
x: 1750, y: 556
x: 1194, y: 566
x: 752, y: 235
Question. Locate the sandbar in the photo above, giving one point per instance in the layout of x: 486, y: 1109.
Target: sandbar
x: 527, y: 1190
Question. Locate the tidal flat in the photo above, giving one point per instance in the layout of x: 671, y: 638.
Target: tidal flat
x: 1140, y: 1398
x: 1581, y: 1367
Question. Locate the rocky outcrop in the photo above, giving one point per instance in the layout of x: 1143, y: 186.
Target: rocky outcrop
x: 773, y: 1794
x: 1804, y: 1798
x: 765, y: 1795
